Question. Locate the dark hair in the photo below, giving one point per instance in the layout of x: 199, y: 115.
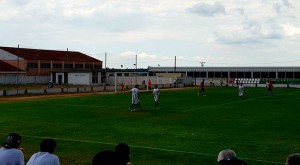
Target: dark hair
x: 293, y: 159
x: 13, y: 140
x: 232, y: 161
x: 48, y: 145
x: 105, y: 157
x: 136, y: 86
x: 122, y: 151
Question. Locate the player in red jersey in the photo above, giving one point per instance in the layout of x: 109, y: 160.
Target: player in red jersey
x: 270, y: 87
x: 202, y: 88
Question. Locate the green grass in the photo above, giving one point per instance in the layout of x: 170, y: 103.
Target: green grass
x: 187, y: 130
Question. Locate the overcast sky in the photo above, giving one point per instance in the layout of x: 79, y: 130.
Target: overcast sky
x: 220, y: 33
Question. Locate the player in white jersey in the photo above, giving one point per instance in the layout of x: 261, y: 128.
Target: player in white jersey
x: 156, y: 95
x: 242, y: 91
x: 135, y: 96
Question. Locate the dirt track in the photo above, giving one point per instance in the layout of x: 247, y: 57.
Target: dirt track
x: 49, y: 96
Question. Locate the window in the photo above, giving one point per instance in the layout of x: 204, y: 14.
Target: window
x: 297, y: 74
x: 256, y: 74
x: 211, y: 74
x: 80, y: 66
x: 264, y: 75
x: 233, y: 75
x: 57, y: 65
x: 94, y: 77
x: 240, y: 75
x: 281, y: 74
x: 272, y: 74
x: 289, y: 75
x: 45, y: 65
x: 247, y: 74
x: 218, y: 74
x: 203, y: 74
x: 224, y: 74
x: 87, y: 66
x: 68, y: 65
x: 32, y: 65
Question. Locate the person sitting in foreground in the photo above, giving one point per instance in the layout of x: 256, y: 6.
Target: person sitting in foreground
x: 105, y: 157
x: 45, y: 156
x: 293, y: 159
x: 122, y: 152
x: 10, y: 152
x: 228, y: 157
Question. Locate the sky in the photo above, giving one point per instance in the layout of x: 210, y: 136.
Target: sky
x: 156, y: 32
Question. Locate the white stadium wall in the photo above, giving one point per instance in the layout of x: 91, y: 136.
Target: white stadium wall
x: 79, y: 78
x: 10, y: 78
x: 133, y: 80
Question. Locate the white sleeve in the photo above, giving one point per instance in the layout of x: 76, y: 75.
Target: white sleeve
x: 56, y: 161
x: 20, y: 158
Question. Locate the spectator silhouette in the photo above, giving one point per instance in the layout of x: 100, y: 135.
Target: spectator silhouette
x: 10, y: 152
x: 228, y: 157
x: 293, y: 159
x: 45, y: 156
x: 105, y: 157
x: 122, y: 151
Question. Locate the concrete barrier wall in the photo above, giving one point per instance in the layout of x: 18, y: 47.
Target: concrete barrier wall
x: 111, y: 89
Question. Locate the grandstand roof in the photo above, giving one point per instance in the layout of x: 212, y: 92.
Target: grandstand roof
x: 49, y: 55
x: 5, y: 67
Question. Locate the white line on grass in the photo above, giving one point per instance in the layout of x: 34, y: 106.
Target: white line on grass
x: 250, y: 99
x: 144, y: 147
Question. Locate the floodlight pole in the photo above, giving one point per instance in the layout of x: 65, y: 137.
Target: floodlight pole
x: 136, y: 69
x: 175, y: 65
x: 115, y: 82
x: 18, y: 69
x: 105, y: 72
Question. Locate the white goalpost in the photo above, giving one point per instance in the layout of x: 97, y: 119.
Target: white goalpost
x: 133, y: 78
x: 130, y: 79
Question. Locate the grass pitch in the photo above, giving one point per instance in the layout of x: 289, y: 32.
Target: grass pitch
x: 188, y: 129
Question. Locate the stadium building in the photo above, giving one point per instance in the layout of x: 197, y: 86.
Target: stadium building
x: 247, y: 74
x: 25, y: 66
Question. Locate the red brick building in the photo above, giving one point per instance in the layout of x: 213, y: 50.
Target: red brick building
x: 23, y: 65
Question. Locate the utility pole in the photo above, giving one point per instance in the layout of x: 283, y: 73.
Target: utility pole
x: 67, y: 71
x: 136, y: 69
x: 105, y: 72
x: 18, y: 70
x: 175, y: 65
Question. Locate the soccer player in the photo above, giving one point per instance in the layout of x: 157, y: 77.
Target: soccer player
x: 202, y: 89
x: 156, y: 96
x: 221, y: 82
x: 227, y: 82
x: 122, y: 87
x: 269, y: 86
x: 242, y: 91
x: 211, y: 82
x: 149, y: 84
x: 135, y: 102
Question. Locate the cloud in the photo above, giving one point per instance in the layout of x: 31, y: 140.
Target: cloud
x: 204, y: 58
x: 206, y: 9
x: 250, y: 32
x: 281, y: 5
x: 290, y: 30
